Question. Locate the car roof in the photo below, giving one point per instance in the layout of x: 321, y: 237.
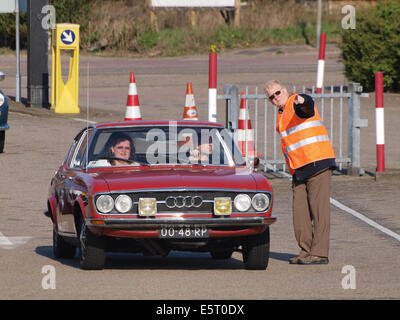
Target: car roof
x: 185, y: 123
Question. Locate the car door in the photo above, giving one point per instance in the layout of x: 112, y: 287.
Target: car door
x: 66, y: 183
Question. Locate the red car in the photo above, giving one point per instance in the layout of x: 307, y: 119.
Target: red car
x: 152, y: 187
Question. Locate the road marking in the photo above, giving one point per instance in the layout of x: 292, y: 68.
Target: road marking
x: 352, y: 212
x: 84, y: 120
x: 365, y: 219
x: 12, y: 242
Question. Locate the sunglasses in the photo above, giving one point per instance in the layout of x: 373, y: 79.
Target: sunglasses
x: 277, y: 93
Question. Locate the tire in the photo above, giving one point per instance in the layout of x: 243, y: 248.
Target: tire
x: 92, y: 255
x: 2, y: 140
x: 256, y: 251
x: 61, y: 248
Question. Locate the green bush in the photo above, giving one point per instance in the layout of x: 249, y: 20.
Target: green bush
x: 374, y: 45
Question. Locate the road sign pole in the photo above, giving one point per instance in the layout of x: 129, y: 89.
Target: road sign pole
x: 18, y: 73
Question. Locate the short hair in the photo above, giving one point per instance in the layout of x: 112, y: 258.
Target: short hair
x: 272, y: 82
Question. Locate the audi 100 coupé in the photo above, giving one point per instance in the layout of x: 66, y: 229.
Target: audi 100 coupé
x: 152, y: 187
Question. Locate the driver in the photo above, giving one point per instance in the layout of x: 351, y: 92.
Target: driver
x: 118, y: 148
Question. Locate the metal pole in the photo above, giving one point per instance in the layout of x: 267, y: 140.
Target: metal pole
x: 18, y: 75
x: 380, y: 123
x: 319, y: 14
x: 354, y: 125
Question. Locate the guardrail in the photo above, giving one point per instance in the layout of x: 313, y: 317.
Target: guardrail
x: 341, y: 119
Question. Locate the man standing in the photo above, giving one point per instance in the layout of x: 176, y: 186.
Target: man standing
x: 310, y: 157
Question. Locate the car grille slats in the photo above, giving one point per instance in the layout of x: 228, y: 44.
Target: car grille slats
x: 178, y: 201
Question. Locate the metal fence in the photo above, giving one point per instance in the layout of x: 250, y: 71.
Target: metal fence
x: 339, y: 107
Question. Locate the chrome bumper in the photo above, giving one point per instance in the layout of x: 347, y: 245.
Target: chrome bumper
x: 126, y: 223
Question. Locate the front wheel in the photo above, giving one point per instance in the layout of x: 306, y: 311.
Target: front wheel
x: 256, y: 251
x: 61, y: 248
x: 92, y: 253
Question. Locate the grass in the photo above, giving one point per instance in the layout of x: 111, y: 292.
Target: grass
x: 122, y: 27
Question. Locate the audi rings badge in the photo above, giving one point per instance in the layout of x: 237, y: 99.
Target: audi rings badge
x: 183, y: 202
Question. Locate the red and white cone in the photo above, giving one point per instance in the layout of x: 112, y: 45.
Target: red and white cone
x: 132, y: 103
x: 242, y: 136
x: 190, y: 112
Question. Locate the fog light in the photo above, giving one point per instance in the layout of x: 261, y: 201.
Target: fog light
x: 222, y: 206
x: 147, y: 206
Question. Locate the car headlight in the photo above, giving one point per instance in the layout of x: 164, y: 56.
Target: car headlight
x: 2, y: 99
x: 105, y: 203
x: 260, y: 202
x: 123, y: 203
x: 242, y: 202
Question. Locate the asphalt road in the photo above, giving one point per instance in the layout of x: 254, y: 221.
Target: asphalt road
x: 38, y: 141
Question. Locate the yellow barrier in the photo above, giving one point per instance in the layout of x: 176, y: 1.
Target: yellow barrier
x: 64, y: 97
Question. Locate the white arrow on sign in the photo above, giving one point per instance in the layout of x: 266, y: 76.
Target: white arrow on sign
x: 12, y: 242
x: 67, y: 36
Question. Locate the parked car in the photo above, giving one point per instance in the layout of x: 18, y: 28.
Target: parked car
x: 152, y: 187
x: 3, y: 115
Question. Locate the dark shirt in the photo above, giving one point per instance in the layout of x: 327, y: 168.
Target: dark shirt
x: 306, y: 110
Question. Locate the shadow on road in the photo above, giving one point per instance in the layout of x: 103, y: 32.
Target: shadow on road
x: 176, y: 260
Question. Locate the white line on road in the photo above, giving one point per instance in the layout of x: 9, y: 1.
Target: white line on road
x: 84, y: 120
x: 365, y: 219
x: 353, y: 212
x: 12, y: 242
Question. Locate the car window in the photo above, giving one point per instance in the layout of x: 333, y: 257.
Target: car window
x: 79, y: 153
x: 165, y: 145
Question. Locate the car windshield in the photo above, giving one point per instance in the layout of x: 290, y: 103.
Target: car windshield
x: 164, y: 145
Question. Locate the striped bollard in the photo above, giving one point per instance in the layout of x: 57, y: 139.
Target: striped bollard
x: 380, y: 123
x: 212, y: 88
x: 321, y: 63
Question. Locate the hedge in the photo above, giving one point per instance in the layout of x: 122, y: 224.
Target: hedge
x: 374, y: 45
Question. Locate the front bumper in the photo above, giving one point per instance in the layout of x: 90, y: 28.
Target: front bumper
x: 4, y: 127
x: 135, y: 223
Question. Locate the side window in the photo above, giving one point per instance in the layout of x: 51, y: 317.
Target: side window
x: 79, y: 153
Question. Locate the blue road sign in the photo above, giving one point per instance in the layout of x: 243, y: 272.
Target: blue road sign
x: 68, y: 37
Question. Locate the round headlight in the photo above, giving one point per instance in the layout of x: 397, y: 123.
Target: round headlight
x: 123, y: 203
x: 105, y: 203
x: 242, y: 202
x: 260, y: 202
x: 2, y: 99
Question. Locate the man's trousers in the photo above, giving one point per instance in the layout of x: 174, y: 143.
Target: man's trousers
x: 311, y: 213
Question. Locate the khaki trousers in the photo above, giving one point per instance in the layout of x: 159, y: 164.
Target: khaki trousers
x: 311, y: 213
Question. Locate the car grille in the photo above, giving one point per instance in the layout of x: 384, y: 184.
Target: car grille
x: 173, y: 201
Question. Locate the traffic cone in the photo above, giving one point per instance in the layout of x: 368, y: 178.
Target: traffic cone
x: 190, y: 112
x: 132, y: 103
x: 242, y: 131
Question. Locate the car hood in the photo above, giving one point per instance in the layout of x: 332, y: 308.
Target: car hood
x: 163, y: 178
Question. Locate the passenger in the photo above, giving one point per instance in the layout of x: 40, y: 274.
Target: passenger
x: 202, y: 153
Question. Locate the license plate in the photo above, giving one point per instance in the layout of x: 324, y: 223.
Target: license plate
x: 183, y: 232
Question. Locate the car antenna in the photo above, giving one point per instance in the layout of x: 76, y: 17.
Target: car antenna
x: 87, y: 119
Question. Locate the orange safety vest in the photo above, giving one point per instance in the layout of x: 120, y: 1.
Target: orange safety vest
x: 303, y: 140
